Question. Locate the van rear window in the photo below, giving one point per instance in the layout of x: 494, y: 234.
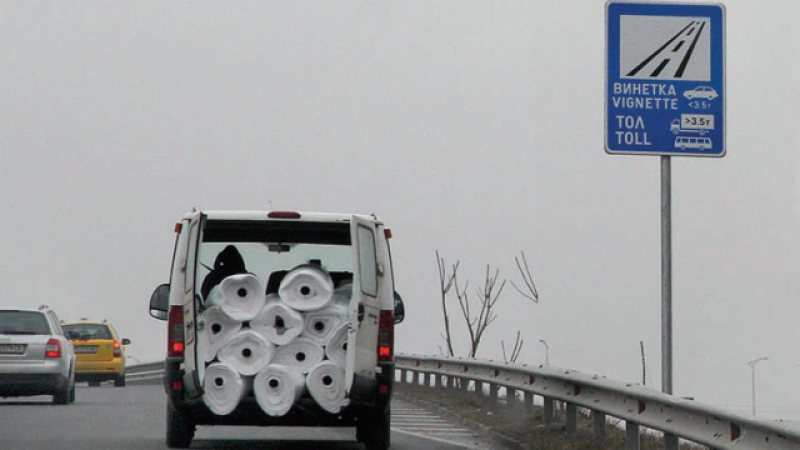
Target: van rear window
x: 332, y: 233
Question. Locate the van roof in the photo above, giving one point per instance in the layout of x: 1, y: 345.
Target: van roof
x: 306, y: 216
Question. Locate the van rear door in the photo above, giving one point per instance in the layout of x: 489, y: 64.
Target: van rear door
x: 193, y: 366
x: 364, y: 308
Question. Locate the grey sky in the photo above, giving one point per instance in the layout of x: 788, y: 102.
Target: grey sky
x: 471, y: 127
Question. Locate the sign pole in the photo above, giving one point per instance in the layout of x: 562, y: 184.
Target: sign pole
x: 666, y: 275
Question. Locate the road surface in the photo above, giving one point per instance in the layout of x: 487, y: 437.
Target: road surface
x: 132, y: 418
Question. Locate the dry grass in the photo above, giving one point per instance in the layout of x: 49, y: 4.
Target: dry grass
x: 525, y: 431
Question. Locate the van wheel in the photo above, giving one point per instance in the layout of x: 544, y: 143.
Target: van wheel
x: 373, y: 429
x: 120, y: 381
x: 180, y: 429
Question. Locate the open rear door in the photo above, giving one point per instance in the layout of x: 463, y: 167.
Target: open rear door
x: 194, y: 367
x: 364, y: 308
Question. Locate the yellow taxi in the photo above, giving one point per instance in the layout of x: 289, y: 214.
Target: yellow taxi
x: 99, y: 352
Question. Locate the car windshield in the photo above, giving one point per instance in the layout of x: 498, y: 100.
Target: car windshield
x: 86, y: 331
x: 23, y: 322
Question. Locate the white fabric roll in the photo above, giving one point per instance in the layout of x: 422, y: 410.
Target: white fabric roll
x: 325, y: 383
x: 224, y: 388
x: 306, y: 288
x: 336, y: 346
x: 276, y: 389
x: 246, y: 352
x: 320, y: 325
x: 278, y: 323
x: 240, y: 296
x: 272, y: 298
x: 218, y: 327
x: 300, y: 355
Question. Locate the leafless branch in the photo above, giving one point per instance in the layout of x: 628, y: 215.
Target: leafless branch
x: 445, y: 284
x: 515, y: 352
x: 532, y: 293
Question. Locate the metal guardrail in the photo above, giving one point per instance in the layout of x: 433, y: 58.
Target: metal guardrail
x: 145, y: 373
x: 637, y: 405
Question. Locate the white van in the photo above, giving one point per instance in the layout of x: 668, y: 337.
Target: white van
x: 351, y: 251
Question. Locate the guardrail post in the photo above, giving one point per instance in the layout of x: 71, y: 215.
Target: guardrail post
x: 632, y: 439
x: 528, y: 402
x: 403, y: 375
x: 451, y: 382
x: 428, y: 380
x: 494, y: 390
x: 572, y: 418
x: 670, y: 442
x: 437, y: 381
x: 599, y: 424
x: 549, y: 410
x: 511, y: 400
x: 479, y: 388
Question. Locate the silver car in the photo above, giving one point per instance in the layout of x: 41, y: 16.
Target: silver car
x: 36, y: 357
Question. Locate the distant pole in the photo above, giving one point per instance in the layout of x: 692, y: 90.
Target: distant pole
x: 752, y: 365
x: 546, y: 352
x: 666, y: 276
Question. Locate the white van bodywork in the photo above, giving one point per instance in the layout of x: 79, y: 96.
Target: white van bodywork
x: 352, y: 248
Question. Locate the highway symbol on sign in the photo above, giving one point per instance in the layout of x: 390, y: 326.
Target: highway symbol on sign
x: 683, y: 55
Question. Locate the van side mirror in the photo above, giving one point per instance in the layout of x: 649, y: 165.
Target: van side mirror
x: 159, y: 302
x: 399, y: 308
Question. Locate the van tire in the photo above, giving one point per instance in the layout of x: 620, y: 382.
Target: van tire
x: 120, y: 381
x: 180, y: 429
x: 374, y: 429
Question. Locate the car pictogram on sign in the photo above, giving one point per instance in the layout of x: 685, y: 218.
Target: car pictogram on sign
x: 706, y: 92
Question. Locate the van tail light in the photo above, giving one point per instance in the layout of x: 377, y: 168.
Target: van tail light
x: 117, y: 349
x: 52, y: 349
x: 386, y: 336
x: 175, y: 332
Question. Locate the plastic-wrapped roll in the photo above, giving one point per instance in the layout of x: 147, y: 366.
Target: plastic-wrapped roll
x: 342, y: 293
x: 224, y: 388
x: 217, y: 327
x: 239, y: 296
x: 246, y: 352
x: 306, y: 288
x: 336, y: 346
x: 278, y: 323
x: 320, y: 325
x: 325, y: 383
x: 300, y: 355
x: 276, y: 389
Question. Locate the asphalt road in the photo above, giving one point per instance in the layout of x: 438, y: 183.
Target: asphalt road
x: 132, y: 418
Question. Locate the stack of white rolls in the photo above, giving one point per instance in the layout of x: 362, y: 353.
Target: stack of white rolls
x: 277, y: 347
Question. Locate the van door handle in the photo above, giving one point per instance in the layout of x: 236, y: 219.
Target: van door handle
x: 360, y: 312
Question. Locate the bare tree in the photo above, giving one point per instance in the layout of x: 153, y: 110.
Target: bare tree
x: 531, y: 293
x: 445, y: 284
x: 515, y: 352
x: 487, y: 299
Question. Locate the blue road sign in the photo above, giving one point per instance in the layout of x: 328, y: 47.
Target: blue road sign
x: 665, y: 79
